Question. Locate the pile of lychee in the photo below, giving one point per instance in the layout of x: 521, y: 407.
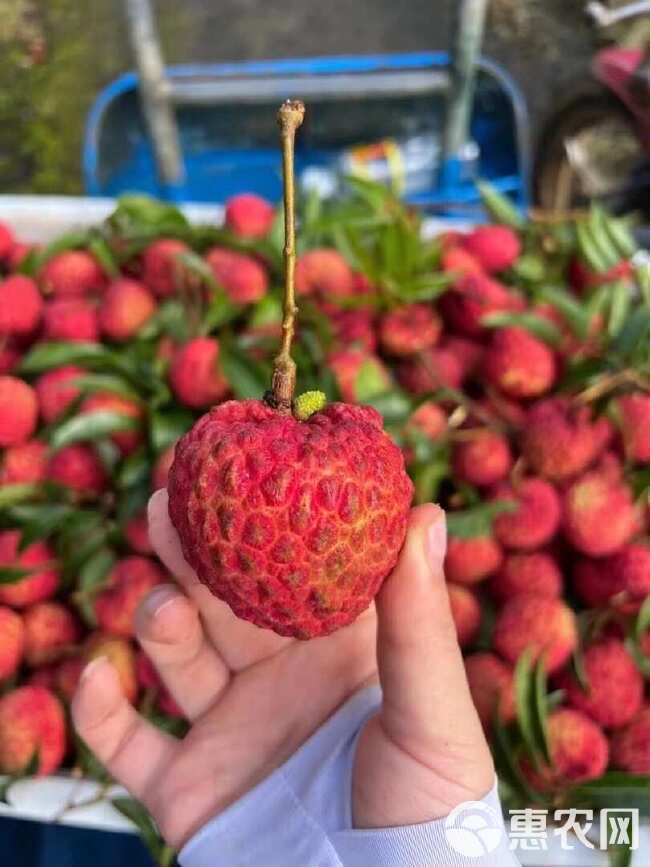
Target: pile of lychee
x: 530, y: 428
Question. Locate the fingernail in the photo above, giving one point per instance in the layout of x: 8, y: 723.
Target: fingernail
x: 89, y: 669
x: 159, y: 598
x: 437, y: 541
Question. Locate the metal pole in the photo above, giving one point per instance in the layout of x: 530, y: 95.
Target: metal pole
x: 154, y: 93
x: 469, y: 27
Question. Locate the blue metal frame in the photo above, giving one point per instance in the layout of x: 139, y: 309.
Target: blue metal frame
x: 517, y: 184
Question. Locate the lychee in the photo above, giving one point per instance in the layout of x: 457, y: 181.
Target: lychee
x: 544, y: 625
x: 631, y: 566
x: 614, y: 685
x: 195, y: 376
x: 78, y: 466
x: 149, y: 679
x: 482, y: 460
x: 358, y: 374
x: 536, y: 516
x: 43, y: 578
x: 354, y: 328
x: 126, y: 440
x: 583, y: 278
x: 136, y: 532
x: 428, y: 420
x: 21, y: 305
x: 631, y: 745
x: 578, y: 749
x: 32, y: 726
x: 536, y: 573
x: 161, y: 468
x: 243, y: 278
x: 324, y: 272
x: 594, y: 583
x: 72, y: 272
x: 23, y: 464
x: 18, y: 411
x: 429, y: 371
x: 632, y: 414
x: 127, y: 584
x: 56, y: 390
x: 12, y: 642
x: 466, y: 613
x: 7, y: 241
x: 470, y: 560
x: 518, y: 364
x: 495, y: 247
x: 598, y: 514
x: 491, y: 683
x: 18, y: 254
x: 473, y: 297
x: 162, y: 271
x: 249, y: 215
x: 468, y: 353
x: 459, y: 261
x: 9, y: 355
x: 73, y: 319
x: 126, y: 306
x: 51, y: 630
x: 409, y: 329
x: 305, y: 518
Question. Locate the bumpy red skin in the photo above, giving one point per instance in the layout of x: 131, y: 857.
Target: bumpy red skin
x: 119, y: 652
x: 7, y: 241
x: 346, y: 365
x: 325, y: 272
x: 243, y: 279
x: 560, y: 441
x: 32, y: 723
x: 409, y: 329
x: 615, y: 685
x: 43, y: 580
x: 21, y: 305
x: 631, y: 745
x: 491, y: 683
x: 24, y: 463
x: 12, y: 642
x: 50, y: 630
x: 73, y: 319
x: 73, y: 272
x: 194, y: 375
x: 128, y: 583
x: 632, y: 412
x: 148, y: 678
x: 536, y: 519
x: 161, y: 271
x: 354, y: 328
x: 469, y: 561
x: 304, y: 520
x: 518, y: 364
x: 249, y: 216
x: 598, y: 514
x: 55, y: 391
x: 136, y: 532
x: 484, y: 460
x: 495, y: 247
x: 18, y: 411
x: 578, y: 748
x: 432, y: 369
x: 126, y: 306
x: 127, y: 440
x: 545, y: 625
x: 78, y: 466
x: 536, y: 573
x: 466, y: 613
x: 473, y: 297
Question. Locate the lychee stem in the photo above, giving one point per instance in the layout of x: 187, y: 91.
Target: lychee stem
x: 283, y: 383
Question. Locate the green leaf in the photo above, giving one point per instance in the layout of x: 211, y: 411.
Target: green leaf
x: 470, y: 523
x: 500, y: 207
x: 70, y: 241
x: 46, y: 356
x: 220, y: 311
x: 91, y: 382
x: 395, y: 406
x: 92, y: 578
x: 576, y: 316
x: 370, y: 381
x: 46, y: 520
x: 247, y: 379
x: 136, y: 813
x: 88, y: 762
x: 527, y: 687
x: 12, y: 494
x: 540, y: 327
x: 166, y: 427
x: 620, y: 303
x: 102, y: 252
x: 13, y: 574
x: 427, y: 479
x: 642, y: 624
x: 635, y: 333
x: 134, y: 470
x: 620, y: 856
x: 91, y: 426
x: 507, y: 765
x: 615, y: 789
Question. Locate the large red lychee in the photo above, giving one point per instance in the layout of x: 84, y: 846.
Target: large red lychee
x: 249, y: 215
x: 305, y: 518
x: 56, y: 390
x: 536, y: 573
x: 482, y: 460
x: 470, y: 560
x: 495, y: 247
x: 536, y: 516
x: 18, y: 411
x: 23, y: 464
x: 127, y: 584
x: 21, y: 305
x: 560, y: 441
x: 126, y: 440
x: 12, y: 642
x: 324, y: 272
x: 243, y: 278
x: 42, y: 580
x: 632, y: 414
x: 631, y: 745
x: 491, y: 683
x: 466, y: 613
x: 599, y: 515
x: 149, y: 679
x: 126, y: 306
x: 409, y: 329
x: 544, y: 625
x: 119, y: 652
x: 358, y: 374
x: 195, y: 376
x: 614, y: 688
x: 162, y: 270
x: 32, y: 726
x: 73, y: 272
x: 72, y: 319
x: 518, y: 364
x: 51, y: 630
x: 78, y: 466
x: 473, y: 297
x: 430, y: 370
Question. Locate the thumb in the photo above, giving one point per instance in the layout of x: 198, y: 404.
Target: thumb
x: 426, y: 698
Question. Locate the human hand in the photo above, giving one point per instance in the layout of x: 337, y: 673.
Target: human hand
x: 253, y: 698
